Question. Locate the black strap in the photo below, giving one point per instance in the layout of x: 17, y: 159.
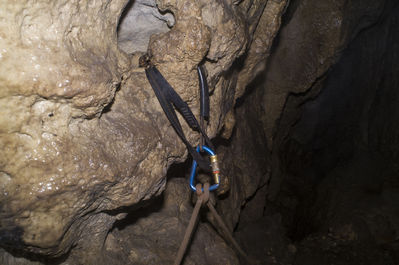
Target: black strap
x: 204, y: 93
x: 166, y: 96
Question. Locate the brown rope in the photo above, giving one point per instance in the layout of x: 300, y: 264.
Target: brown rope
x: 203, y: 198
x: 227, y: 233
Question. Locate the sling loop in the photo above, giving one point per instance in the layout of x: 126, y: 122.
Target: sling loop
x: 204, y: 102
x: 204, y: 90
x: 168, y: 98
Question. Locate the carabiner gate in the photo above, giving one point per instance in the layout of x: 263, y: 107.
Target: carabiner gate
x: 214, y: 165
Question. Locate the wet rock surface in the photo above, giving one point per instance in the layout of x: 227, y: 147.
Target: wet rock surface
x: 159, y: 229
x: 54, y: 78
x: 82, y: 134
x: 306, y: 131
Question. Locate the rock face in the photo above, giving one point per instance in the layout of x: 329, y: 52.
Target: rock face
x: 157, y: 234
x: 307, y: 136
x: 343, y: 153
x: 81, y: 132
x: 57, y: 75
x: 324, y: 118
x: 316, y: 105
x: 308, y: 45
x: 139, y: 21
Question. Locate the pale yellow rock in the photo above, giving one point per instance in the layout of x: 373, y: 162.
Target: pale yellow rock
x: 81, y: 131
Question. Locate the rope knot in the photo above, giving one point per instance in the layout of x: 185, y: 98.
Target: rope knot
x: 203, y: 192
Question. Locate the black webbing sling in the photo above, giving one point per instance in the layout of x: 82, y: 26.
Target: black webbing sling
x: 167, y: 96
x: 204, y: 101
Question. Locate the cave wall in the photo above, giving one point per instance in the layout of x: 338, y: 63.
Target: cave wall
x: 85, y: 142
x: 339, y: 125
x: 83, y: 138
x: 54, y: 78
x: 350, y: 101
x: 309, y: 59
x: 336, y: 158
x: 349, y: 137
x: 313, y: 107
x: 309, y: 43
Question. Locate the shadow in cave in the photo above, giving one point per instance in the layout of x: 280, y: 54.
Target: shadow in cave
x: 46, y: 260
x: 140, y: 210
x: 338, y: 139
x: 145, y: 208
x: 179, y: 170
x: 337, y: 175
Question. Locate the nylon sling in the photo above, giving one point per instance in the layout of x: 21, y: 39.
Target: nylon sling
x: 168, y: 98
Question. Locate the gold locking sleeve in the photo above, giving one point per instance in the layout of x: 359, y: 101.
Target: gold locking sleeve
x: 215, y: 168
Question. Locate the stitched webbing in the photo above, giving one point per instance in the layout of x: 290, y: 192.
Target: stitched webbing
x: 167, y: 96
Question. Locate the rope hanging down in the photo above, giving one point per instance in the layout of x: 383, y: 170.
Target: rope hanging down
x: 202, y: 200
x: 168, y: 98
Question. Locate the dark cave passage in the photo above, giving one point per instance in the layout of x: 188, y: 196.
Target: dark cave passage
x: 308, y: 143
x: 334, y: 153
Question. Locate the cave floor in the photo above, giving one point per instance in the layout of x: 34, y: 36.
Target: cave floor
x: 352, y: 220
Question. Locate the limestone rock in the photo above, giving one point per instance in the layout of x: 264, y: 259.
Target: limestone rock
x: 139, y: 21
x: 57, y: 71
x: 163, y: 230
x: 81, y: 132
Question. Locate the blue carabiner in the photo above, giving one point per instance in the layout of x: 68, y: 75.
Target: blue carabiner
x: 215, y: 169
